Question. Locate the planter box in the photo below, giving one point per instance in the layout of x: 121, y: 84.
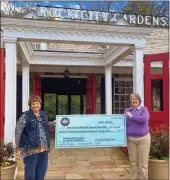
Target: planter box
x: 158, y: 169
x: 8, y: 172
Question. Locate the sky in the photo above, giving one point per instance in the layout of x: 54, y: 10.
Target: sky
x: 67, y: 4
x: 116, y: 6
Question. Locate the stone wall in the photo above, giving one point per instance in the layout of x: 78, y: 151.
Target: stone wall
x: 76, y: 48
x: 158, y: 42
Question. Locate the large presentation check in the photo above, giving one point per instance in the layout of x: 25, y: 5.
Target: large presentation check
x: 83, y: 131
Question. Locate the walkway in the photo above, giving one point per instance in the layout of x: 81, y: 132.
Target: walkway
x: 91, y: 163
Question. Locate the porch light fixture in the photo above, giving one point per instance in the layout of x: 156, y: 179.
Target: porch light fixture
x: 66, y: 73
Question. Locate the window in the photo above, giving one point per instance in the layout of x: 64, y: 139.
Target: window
x: 157, y: 95
x: 123, y: 89
x: 156, y: 67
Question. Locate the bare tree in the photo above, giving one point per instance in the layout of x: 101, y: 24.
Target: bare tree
x: 154, y: 8
x: 96, y: 5
x: 11, y: 8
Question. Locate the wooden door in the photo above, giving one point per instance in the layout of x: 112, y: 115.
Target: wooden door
x: 156, y: 88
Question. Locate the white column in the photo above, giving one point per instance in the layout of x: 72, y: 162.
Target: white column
x: 138, y: 71
x: 10, y: 89
x: 108, y: 89
x: 25, y: 87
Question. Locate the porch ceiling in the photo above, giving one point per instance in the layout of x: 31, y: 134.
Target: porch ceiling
x: 111, y: 56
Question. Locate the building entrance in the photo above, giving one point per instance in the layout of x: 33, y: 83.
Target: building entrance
x: 63, y: 96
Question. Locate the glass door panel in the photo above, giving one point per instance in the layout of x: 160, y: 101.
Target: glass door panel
x: 75, y: 104
x: 62, y: 104
x: 50, y: 106
x: 157, y: 94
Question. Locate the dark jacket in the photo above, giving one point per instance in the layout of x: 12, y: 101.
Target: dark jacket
x: 30, y: 137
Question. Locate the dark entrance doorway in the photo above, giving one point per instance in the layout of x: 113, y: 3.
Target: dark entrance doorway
x: 63, y: 96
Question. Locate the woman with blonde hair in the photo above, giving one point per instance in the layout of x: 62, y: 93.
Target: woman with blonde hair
x: 33, y: 140
x: 138, y: 137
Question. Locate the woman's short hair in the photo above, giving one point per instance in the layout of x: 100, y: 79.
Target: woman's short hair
x: 34, y: 98
x: 136, y: 95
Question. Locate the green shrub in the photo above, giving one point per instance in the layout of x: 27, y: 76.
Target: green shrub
x: 160, y: 143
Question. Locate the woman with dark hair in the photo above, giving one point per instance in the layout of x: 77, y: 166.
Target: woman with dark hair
x: 138, y: 137
x: 33, y: 140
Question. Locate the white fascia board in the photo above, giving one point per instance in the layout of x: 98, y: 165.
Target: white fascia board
x: 22, y: 54
x: 72, y: 32
x: 93, y: 38
x: 110, y: 50
x: 73, y: 25
x: 118, y: 54
x: 26, y: 51
x: 71, y: 61
x: 30, y: 48
x: 79, y: 69
x: 64, y: 58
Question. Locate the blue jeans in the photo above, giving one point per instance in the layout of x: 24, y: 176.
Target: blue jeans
x: 36, y: 166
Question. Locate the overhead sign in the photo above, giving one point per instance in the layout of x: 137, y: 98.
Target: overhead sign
x: 84, y: 15
x: 111, y: 17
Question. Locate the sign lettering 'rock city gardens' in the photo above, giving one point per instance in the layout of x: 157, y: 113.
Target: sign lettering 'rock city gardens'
x: 76, y: 14
x: 92, y: 16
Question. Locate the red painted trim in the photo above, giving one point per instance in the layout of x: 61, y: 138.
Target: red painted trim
x: 158, y: 117
x: 94, y: 94
x: 88, y: 96
x: 91, y: 95
x: 37, y: 85
x: 2, y: 91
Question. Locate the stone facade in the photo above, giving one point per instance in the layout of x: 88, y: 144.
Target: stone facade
x: 76, y: 48
x: 158, y: 42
